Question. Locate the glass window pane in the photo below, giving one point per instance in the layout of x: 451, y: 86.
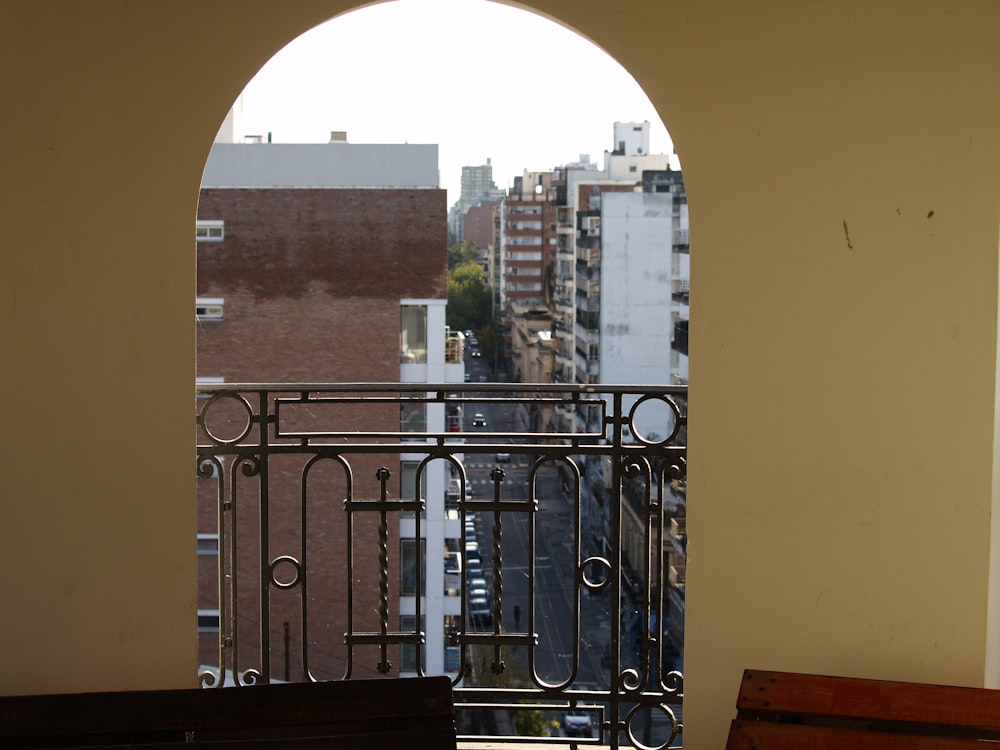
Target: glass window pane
x: 413, y: 334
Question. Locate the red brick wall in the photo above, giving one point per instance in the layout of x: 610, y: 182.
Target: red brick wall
x: 479, y: 225
x: 312, y: 280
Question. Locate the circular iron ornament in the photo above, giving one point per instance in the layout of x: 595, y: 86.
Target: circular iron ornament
x: 631, y: 469
x: 218, y: 398
x: 208, y: 467
x: 631, y: 718
x: 630, y: 679
x: 670, y: 405
x: 250, y: 466
x: 592, y: 582
x: 251, y: 677
x: 296, y: 569
x: 208, y: 679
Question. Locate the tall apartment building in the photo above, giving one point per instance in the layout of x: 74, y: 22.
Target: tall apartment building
x: 621, y: 310
x: 633, y: 284
x: 579, y: 239
x: 477, y: 181
x: 527, y: 246
x: 476, y: 186
x: 327, y: 263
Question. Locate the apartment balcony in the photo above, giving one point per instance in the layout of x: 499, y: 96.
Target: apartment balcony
x: 454, y: 347
x: 588, y: 287
x: 589, y: 256
x: 564, y: 305
x: 314, y: 579
x: 676, y: 575
x: 678, y: 528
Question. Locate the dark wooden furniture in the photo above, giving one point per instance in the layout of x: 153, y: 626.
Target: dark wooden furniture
x: 415, y: 714
x: 812, y: 712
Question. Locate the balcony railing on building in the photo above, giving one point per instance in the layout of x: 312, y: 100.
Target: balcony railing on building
x: 319, y: 498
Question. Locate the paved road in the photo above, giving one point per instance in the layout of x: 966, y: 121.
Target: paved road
x: 551, y: 612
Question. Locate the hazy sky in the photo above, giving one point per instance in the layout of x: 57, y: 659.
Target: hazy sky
x: 478, y: 78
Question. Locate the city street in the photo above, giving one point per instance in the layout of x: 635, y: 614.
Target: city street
x: 552, y: 612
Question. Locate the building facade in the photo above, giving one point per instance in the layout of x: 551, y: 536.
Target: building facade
x: 302, y: 278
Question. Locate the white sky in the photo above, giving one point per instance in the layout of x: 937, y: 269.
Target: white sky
x: 478, y: 78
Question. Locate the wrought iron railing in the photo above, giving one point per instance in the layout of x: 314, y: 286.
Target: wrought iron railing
x: 319, y: 493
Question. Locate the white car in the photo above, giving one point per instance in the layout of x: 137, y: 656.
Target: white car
x: 577, y: 724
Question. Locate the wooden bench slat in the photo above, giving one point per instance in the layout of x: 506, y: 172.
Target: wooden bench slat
x: 768, y: 735
x: 817, y: 695
x: 411, y: 712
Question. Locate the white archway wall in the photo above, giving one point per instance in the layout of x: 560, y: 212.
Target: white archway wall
x: 841, y: 167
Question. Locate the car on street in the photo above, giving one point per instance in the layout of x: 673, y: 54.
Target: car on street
x: 478, y: 588
x: 476, y: 353
x: 482, y: 378
x: 577, y: 724
x: 468, y: 377
x: 480, y: 613
x: 478, y: 420
x: 503, y: 457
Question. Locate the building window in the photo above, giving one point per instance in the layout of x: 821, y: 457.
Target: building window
x: 412, y: 417
x: 408, y: 655
x: 210, y: 231
x: 209, y: 308
x: 408, y: 567
x: 452, y: 652
x: 413, y: 334
x: 208, y: 544
x: 680, y: 342
x: 408, y: 485
x: 208, y: 621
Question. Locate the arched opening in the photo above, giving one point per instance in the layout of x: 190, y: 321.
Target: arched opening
x: 319, y: 264
x: 828, y: 538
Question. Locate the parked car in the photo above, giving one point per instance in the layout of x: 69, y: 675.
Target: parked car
x: 480, y: 614
x: 478, y: 588
x: 478, y: 420
x: 577, y: 724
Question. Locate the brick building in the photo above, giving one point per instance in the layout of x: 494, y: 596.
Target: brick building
x: 313, y: 265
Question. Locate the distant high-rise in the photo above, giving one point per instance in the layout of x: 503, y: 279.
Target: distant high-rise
x: 477, y: 186
x: 477, y: 181
x: 631, y: 138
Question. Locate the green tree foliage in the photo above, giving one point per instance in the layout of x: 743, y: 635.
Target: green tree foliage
x: 527, y: 721
x: 462, y: 253
x: 469, y: 299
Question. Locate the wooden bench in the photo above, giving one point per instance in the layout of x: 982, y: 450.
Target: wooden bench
x: 813, y: 712
x: 410, y: 714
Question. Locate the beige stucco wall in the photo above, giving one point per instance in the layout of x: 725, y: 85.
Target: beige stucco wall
x: 841, y: 162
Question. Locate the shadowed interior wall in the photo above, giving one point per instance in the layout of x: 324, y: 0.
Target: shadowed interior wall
x: 841, y: 165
